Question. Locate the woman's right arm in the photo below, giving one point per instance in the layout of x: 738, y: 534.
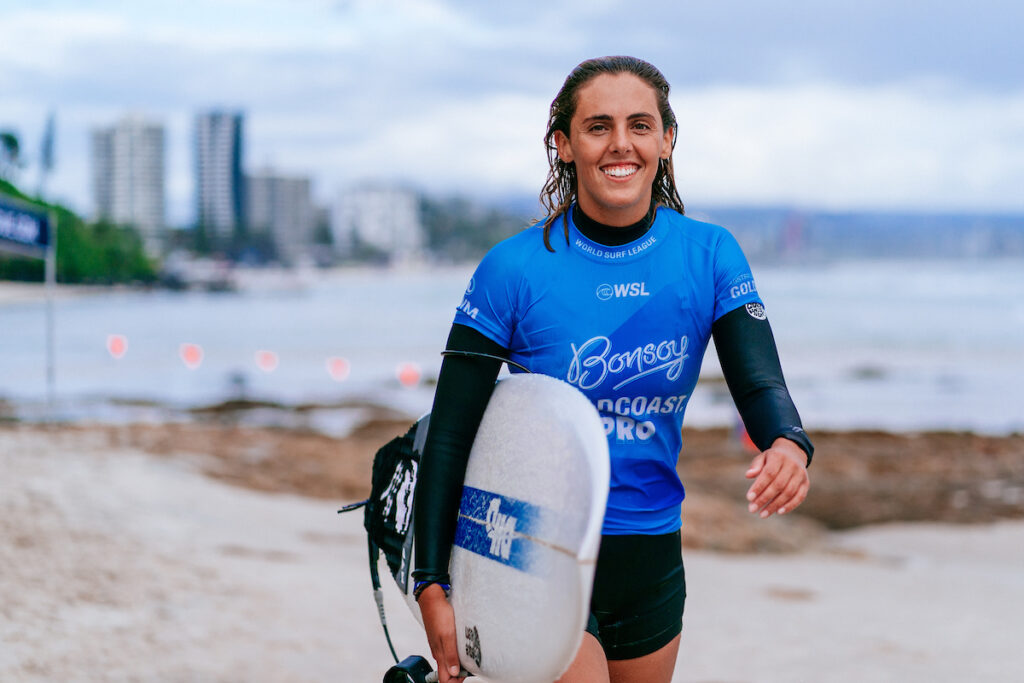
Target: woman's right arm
x: 464, y: 387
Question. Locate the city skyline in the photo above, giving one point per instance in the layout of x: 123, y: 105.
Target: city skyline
x: 219, y: 171
x: 281, y: 207
x: 128, y: 177
x: 264, y: 213
x: 820, y: 105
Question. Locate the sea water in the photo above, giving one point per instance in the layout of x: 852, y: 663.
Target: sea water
x: 898, y: 345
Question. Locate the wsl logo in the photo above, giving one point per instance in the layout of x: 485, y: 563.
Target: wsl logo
x: 622, y: 290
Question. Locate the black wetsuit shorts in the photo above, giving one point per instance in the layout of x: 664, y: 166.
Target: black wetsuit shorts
x: 639, y: 593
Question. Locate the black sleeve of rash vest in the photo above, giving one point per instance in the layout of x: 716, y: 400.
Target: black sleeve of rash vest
x: 750, y: 362
x: 464, y: 387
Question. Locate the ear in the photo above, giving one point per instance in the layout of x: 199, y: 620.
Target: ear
x: 564, y: 147
x: 666, y: 143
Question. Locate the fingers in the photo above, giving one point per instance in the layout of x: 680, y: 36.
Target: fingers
x: 439, y: 624
x: 790, y: 496
x: 445, y: 653
x: 444, y: 649
x: 451, y: 655
x: 767, y: 486
x: 756, y: 465
x: 781, y: 485
x: 447, y: 658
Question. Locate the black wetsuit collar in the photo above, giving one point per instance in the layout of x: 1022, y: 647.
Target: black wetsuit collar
x: 608, y: 235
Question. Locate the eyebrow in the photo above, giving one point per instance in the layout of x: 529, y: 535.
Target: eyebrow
x: 607, y: 117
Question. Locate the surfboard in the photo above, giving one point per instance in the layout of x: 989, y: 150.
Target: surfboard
x: 528, y: 531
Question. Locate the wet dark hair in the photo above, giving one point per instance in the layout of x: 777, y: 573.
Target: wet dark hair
x: 559, y: 191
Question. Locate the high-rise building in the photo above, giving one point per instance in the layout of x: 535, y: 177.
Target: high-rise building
x: 384, y: 218
x: 282, y: 207
x: 128, y: 177
x: 220, y: 185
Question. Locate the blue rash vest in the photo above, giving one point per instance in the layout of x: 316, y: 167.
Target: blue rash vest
x: 627, y: 326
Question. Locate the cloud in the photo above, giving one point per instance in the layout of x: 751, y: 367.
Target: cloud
x: 795, y: 101
x: 849, y: 148
x: 477, y: 146
x: 816, y: 145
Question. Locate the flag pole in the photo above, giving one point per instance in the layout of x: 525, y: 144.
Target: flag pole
x: 51, y: 285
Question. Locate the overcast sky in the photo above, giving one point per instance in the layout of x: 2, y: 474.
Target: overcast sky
x: 894, y: 104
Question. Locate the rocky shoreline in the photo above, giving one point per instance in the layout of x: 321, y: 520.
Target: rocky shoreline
x: 858, y: 478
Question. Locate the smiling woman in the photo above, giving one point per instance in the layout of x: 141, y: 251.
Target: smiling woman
x: 623, y: 311
x: 610, y: 137
x: 617, y: 152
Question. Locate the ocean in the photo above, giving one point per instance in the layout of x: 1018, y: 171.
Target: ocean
x: 900, y: 345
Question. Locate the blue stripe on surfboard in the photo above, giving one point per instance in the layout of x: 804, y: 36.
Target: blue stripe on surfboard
x: 493, y: 526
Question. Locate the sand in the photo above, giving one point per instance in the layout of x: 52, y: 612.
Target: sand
x: 169, y: 554
x: 12, y: 292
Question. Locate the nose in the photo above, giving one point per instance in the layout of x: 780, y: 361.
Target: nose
x: 621, y: 142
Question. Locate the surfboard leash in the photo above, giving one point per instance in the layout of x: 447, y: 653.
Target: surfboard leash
x: 395, y: 456
x: 478, y: 354
x: 378, y: 594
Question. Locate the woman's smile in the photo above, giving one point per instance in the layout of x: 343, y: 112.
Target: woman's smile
x: 620, y: 170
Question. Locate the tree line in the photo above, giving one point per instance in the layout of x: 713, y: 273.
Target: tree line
x: 87, y: 253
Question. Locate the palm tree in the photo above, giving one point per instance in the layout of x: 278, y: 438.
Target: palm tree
x: 10, y: 154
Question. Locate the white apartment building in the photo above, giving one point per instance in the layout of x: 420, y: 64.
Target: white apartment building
x: 385, y: 218
x: 128, y: 177
x: 220, y: 184
x: 282, y: 207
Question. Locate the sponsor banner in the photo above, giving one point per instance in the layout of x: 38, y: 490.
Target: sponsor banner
x: 623, y: 418
x: 595, y: 360
x: 497, y: 527
x: 469, y: 309
x: 615, y: 253
x: 22, y: 226
x: 741, y: 286
x: 626, y: 429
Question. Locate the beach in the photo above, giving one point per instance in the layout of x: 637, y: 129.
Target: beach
x: 177, y: 523
x: 210, y: 551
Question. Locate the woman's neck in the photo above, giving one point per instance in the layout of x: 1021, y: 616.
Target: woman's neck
x: 608, y: 235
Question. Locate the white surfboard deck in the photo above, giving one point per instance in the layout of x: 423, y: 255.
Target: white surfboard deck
x: 528, y: 532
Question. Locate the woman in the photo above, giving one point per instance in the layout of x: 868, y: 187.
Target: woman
x: 621, y: 304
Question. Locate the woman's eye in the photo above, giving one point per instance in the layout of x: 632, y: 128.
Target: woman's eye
x: 640, y: 125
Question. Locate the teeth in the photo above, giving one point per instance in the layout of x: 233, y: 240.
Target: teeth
x: 621, y: 171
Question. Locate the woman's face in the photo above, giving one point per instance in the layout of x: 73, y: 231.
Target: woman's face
x: 616, y: 138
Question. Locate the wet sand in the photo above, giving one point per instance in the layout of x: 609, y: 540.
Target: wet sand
x: 214, y: 553
x: 27, y: 292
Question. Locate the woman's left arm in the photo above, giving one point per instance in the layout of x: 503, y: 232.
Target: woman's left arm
x: 750, y: 362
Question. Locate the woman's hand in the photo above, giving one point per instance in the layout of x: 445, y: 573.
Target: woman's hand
x: 439, y: 623
x: 780, y: 479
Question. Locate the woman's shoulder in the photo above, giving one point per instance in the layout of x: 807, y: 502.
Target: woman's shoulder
x: 693, y: 230
x: 519, y: 248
